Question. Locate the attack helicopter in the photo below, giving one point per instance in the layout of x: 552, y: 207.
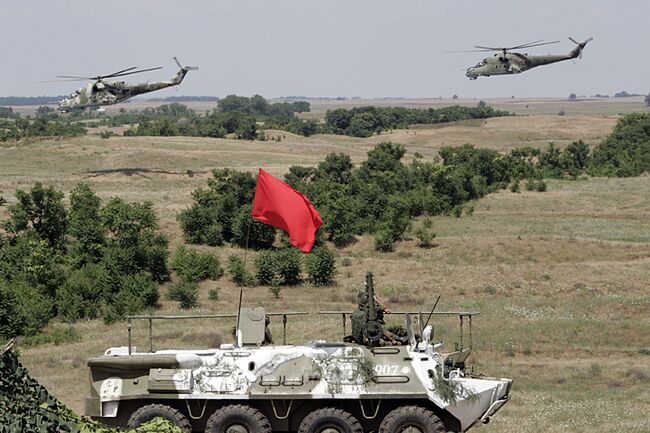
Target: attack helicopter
x: 505, y: 62
x: 100, y: 93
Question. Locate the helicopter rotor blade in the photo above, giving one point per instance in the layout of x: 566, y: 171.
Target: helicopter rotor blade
x: 119, y: 72
x: 74, y: 77
x: 481, y: 48
x: 516, y: 47
x: 466, y: 51
x: 132, y: 72
x: 526, y: 44
x: 533, y: 44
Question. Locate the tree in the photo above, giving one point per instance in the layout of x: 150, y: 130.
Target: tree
x: 86, y: 225
x: 336, y: 167
x: 42, y: 210
x: 235, y: 103
x: 647, y: 100
x: 572, y: 97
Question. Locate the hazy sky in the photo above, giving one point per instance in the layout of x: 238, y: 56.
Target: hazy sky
x: 367, y: 48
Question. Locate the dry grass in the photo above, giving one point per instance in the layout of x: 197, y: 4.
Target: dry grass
x: 560, y: 277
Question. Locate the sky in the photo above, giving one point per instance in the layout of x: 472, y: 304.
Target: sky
x: 324, y: 48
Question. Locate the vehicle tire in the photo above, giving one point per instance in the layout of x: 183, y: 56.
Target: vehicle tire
x: 330, y: 420
x: 151, y: 411
x: 411, y: 419
x: 238, y: 418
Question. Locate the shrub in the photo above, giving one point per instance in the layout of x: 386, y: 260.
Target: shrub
x: 199, y: 225
x: 384, y: 242
x: 56, y: 336
x: 25, y: 311
x: 85, y: 225
x: 83, y: 293
x: 213, y: 294
x: 195, y: 266
x: 275, y: 287
x: 251, y: 232
x: 321, y: 266
x: 265, y: 264
x: 134, y: 293
x: 42, y: 210
x: 283, y: 265
x: 133, y: 227
x: 186, y: 293
x: 238, y: 272
x: 425, y: 236
x: 535, y: 185
x: 514, y: 187
x: 288, y: 263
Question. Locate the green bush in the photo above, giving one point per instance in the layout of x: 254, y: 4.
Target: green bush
x: 288, y: 265
x: 56, y: 336
x: 134, y: 293
x: 82, y: 295
x: 384, y: 242
x: 85, y: 226
x: 425, y: 236
x: 41, y: 210
x: 24, y: 309
x: 266, y: 267
x: 186, y: 293
x: 195, y: 266
x: 199, y: 225
x: 238, y: 271
x: 283, y: 265
x: 251, y: 232
x: 321, y: 266
x: 213, y: 294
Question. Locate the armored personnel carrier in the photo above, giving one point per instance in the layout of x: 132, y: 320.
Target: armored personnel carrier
x: 317, y: 387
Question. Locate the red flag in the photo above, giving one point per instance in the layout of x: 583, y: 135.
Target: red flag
x: 281, y: 206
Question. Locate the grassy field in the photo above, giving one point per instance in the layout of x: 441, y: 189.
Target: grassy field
x: 560, y: 277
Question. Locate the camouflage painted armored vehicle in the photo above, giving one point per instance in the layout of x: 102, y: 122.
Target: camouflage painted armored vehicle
x: 318, y: 387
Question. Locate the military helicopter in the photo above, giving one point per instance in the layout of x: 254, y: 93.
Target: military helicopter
x: 101, y: 93
x: 505, y: 62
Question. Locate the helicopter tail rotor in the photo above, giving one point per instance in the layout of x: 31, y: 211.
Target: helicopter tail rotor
x: 185, y: 68
x: 577, y: 51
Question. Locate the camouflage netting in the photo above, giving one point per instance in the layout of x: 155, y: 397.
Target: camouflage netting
x: 26, y: 406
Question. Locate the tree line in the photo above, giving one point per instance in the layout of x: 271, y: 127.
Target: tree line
x: 247, y: 118
x: 13, y: 126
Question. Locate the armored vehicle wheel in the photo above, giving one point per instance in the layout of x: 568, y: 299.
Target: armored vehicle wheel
x: 330, y: 420
x: 151, y: 411
x: 411, y: 419
x: 238, y: 418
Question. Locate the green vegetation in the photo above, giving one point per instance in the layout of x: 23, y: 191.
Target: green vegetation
x: 626, y: 152
x: 186, y: 293
x: 382, y: 194
x: 83, y: 261
x: 194, y: 266
x: 321, y: 266
x: 279, y: 267
x: 238, y: 271
x: 365, y: 121
x: 26, y: 406
x: 42, y: 125
x: 242, y: 117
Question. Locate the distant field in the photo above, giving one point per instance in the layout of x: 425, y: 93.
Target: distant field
x: 532, y: 105
x: 560, y: 277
